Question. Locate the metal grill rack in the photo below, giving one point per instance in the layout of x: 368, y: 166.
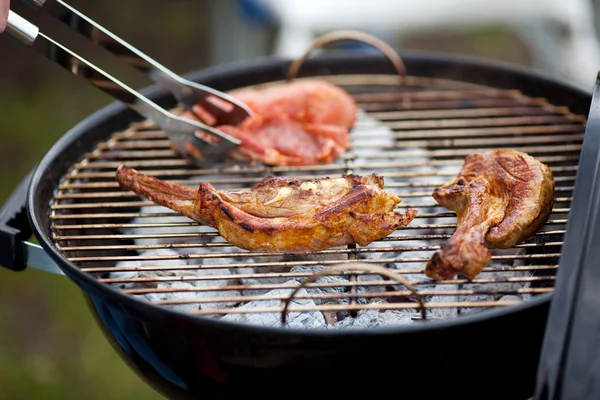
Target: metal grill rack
x: 415, y: 133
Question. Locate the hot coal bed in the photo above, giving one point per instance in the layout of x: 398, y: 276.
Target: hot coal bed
x: 415, y: 136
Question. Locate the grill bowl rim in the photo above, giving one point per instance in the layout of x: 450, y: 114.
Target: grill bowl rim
x: 37, y: 204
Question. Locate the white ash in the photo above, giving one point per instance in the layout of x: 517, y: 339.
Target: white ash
x: 397, y: 316
x: 205, y: 280
x: 415, y: 259
x: 280, y: 258
x: 380, y: 288
x: 218, y: 283
x: 511, y: 297
x: 159, y: 273
x: 145, y: 263
x: 250, y: 276
x: 254, y: 281
x: 417, y: 276
x: 309, y: 319
x: 182, y: 295
x: 204, y: 272
x: 345, y: 288
x: 412, y: 260
x: 329, y: 279
x: 124, y: 275
x: 381, y: 255
x: 372, y: 318
x: 500, y: 286
x: 261, y: 286
x: 189, y: 282
x: 191, y: 299
x: 444, y: 312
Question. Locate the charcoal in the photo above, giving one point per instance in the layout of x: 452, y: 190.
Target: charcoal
x: 328, y: 279
x: 143, y: 263
x: 313, y: 319
x: 511, y: 297
x: 261, y: 281
x: 500, y: 286
x: 410, y: 259
x: 180, y: 296
x: 124, y: 275
x: 162, y: 296
x: 445, y: 312
x: 250, y: 281
x: 331, y: 279
x: 152, y: 297
x: 372, y: 278
x: 372, y: 318
x: 204, y: 283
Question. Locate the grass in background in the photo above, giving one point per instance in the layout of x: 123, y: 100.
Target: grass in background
x: 50, y: 345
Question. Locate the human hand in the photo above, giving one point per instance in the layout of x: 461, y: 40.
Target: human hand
x: 4, y: 5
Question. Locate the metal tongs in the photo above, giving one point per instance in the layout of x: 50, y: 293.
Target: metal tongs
x: 201, y: 143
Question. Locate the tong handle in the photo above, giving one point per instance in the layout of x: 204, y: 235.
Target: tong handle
x: 127, y: 53
x: 182, y: 89
x: 28, y: 34
x: 176, y: 127
x: 20, y: 29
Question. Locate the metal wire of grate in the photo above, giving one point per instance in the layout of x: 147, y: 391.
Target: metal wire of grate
x: 415, y: 134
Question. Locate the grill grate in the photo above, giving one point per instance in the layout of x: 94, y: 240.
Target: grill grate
x: 414, y: 134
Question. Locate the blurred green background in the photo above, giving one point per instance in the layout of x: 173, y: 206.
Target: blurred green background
x: 50, y: 347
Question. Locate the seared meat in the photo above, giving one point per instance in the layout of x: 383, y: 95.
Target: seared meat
x: 283, y: 214
x: 501, y: 198
x: 297, y: 123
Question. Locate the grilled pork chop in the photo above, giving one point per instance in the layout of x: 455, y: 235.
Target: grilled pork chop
x: 283, y: 214
x: 501, y: 198
x: 297, y: 123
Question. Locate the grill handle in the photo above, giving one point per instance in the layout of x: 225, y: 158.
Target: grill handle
x: 16, y: 253
x: 569, y: 367
x: 337, y: 36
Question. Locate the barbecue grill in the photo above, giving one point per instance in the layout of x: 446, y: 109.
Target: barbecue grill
x: 198, y: 317
x: 89, y: 209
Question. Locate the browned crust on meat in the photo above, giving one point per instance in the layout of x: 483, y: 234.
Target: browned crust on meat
x: 347, y: 202
x: 501, y: 198
x: 466, y: 251
x: 532, y: 202
x: 361, y: 215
